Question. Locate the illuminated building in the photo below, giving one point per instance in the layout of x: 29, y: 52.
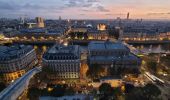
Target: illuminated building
x: 40, y: 22
x: 15, y: 61
x: 63, y: 62
x: 39, y: 33
x: 82, y: 29
x: 97, y: 35
x: 101, y: 27
x: 165, y: 36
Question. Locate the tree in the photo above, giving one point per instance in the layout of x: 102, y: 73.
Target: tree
x: 152, y: 65
x: 95, y: 71
x: 2, y: 86
x: 105, y: 91
x: 148, y: 92
x: 116, y: 92
x: 105, y: 88
x: 58, y: 91
x: 129, y: 88
x: 33, y: 93
x: 151, y: 91
x: 70, y: 91
x: 108, y: 92
x: 136, y: 94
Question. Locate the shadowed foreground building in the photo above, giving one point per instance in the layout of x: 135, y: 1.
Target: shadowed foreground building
x: 112, y: 55
x: 15, y: 61
x: 62, y: 62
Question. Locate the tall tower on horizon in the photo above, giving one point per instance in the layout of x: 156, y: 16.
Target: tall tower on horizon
x: 60, y: 18
x: 128, y: 14
x: 22, y: 20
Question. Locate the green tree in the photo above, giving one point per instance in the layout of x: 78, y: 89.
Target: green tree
x: 152, y: 65
x: 108, y: 92
x: 70, y: 91
x: 105, y: 91
x: 33, y: 93
x: 136, y: 94
x: 148, y: 92
x: 151, y: 91
x: 116, y: 92
x: 58, y: 91
x: 95, y: 71
x: 129, y: 88
x: 105, y: 88
x: 2, y: 86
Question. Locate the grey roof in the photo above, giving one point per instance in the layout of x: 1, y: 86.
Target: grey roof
x: 60, y: 52
x: 106, y: 45
x: 13, y: 52
x: 33, y: 30
x: 111, y: 58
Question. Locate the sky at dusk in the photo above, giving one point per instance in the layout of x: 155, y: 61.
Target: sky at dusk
x: 86, y: 9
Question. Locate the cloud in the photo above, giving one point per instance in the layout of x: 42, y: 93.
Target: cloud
x: 8, y: 6
x: 88, y: 4
x: 85, y: 10
x: 102, y: 9
x: 14, y: 9
x: 14, y: 6
x: 160, y: 13
x: 92, y: 0
x: 79, y: 3
x: 82, y: 14
x: 116, y: 14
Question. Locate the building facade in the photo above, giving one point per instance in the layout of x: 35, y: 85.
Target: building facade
x: 63, y: 62
x: 40, y: 22
x: 16, y: 61
x: 97, y: 35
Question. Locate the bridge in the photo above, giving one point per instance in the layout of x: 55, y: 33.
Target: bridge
x: 14, y: 90
x: 51, y: 42
x: 76, y: 41
x: 30, y: 42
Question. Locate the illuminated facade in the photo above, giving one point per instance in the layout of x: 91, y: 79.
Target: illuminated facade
x: 40, y: 22
x: 97, y: 35
x: 38, y: 34
x: 164, y: 36
x: 78, y: 29
x: 63, y: 62
x: 101, y: 27
x: 15, y: 61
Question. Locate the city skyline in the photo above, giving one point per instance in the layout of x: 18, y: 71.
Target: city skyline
x: 86, y: 9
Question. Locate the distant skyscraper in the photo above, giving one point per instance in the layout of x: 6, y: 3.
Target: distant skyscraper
x: 22, y: 20
x: 40, y: 22
x: 60, y: 18
x: 128, y: 14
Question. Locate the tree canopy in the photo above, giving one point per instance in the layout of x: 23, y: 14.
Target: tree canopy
x: 148, y: 92
x: 2, y: 86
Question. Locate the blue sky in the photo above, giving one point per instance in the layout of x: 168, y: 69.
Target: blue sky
x: 86, y: 9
